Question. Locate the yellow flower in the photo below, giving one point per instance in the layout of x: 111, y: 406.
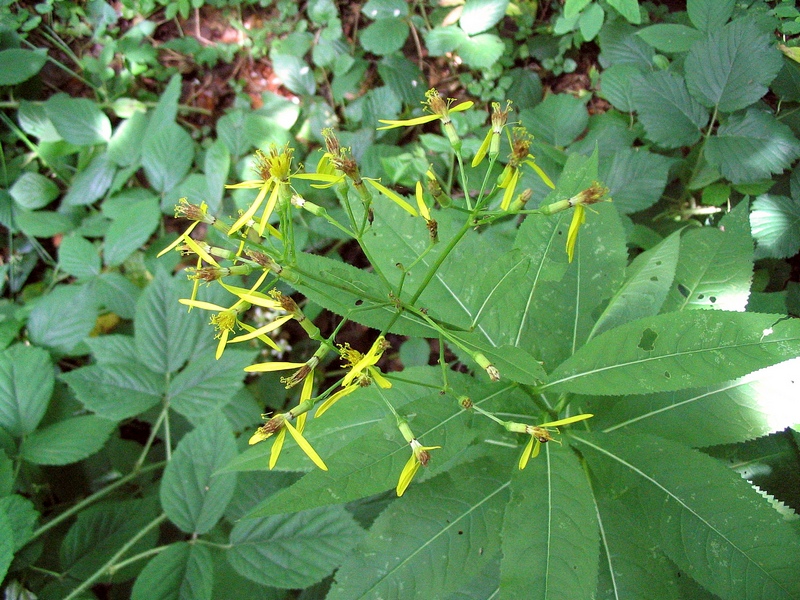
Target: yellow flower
x: 439, y: 109
x: 520, y: 141
x: 280, y: 424
x: 362, y: 372
x: 198, y: 214
x: 419, y: 457
x: 591, y: 195
x: 433, y: 226
x: 491, y: 142
x: 540, y: 434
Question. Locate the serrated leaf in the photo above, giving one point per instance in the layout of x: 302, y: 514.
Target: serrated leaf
x: 67, y: 441
x: 481, y: 51
x: 193, y: 494
x: 550, y: 536
x: 384, y: 36
x: 32, y: 190
x: 710, y: 15
x: 402, y: 76
x: 671, y: 117
x: 715, y: 268
x: 322, y: 537
x: 78, y: 120
x: 648, y: 279
x: 131, y: 228
x: 372, y: 462
x: 295, y: 74
x: 117, y: 294
x: 674, y: 351
x: 91, y: 183
x: 6, y: 543
x: 573, y: 7
x: 776, y: 225
x: 42, y: 223
x: 167, y: 156
x: 165, y: 332
x: 112, y: 348
x: 457, y: 515
x: 384, y: 9
x: 18, y: 65
x: 63, y: 318
x: 163, y: 115
x: 620, y: 45
x: 26, y: 384
x: 481, y: 15
x: 628, y: 9
x: 559, y: 119
x: 733, y: 66
x: 34, y: 121
x: 733, y: 411
x: 101, y: 530
x: 752, y: 146
x: 441, y: 40
x: 116, y: 391
x: 616, y: 85
x: 125, y: 146
x: 670, y: 37
x: 740, y: 547
x: 635, y: 178
x: 591, y: 21
x: 22, y: 515
x: 181, y: 572
x: 207, y: 384
x: 79, y: 257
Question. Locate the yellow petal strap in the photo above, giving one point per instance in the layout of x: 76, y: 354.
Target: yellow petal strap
x: 393, y: 197
x: 201, y: 304
x: 199, y: 251
x: 277, y: 446
x: 272, y: 366
x: 259, y: 299
x: 305, y: 446
x: 258, y: 436
x: 257, y: 333
x: 308, y: 387
x: 411, y: 468
x: 423, y: 208
x: 526, y: 454
x: 301, y: 422
x: 273, y: 200
x: 265, y: 185
x: 223, y: 339
x: 484, y: 148
x: 578, y: 219
x: 567, y: 421
x: 264, y: 338
x: 541, y: 174
x: 463, y: 106
x: 509, y: 193
x: 174, y: 244
x: 334, y: 399
x: 248, y: 185
x: 536, y: 448
x: 379, y: 379
x: 407, y: 122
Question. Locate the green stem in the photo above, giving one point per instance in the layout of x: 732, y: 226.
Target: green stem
x: 700, y: 152
x: 151, y: 438
x: 135, y: 558
x: 107, y: 566
x: 94, y: 498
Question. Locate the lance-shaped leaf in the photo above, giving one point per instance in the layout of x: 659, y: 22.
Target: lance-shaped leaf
x: 550, y: 535
x: 745, y: 408
x: 677, y: 351
x: 422, y: 545
x: 707, y: 519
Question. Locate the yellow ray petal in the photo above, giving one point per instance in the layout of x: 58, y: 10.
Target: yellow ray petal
x: 265, y: 185
x: 174, y: 244
x: 484, y: 148
x: 273, y: 200
x: 257, y: 333
x: 578, y: 219
x: 391, y: 124
x: 463, y: 106
x: 393, y: 197
x: 305, y: 446
x: 201, y: 304
x: 272, y: 366
x: 509, y: 193
x: 526, y: 454
x: 567, y: 421
x: 258, y: 436
x: 407, y: 474
x: 423, y: 208
x: 334, y: 399
x: 199, y: 251
x: 264, y: 338
x: 541, y: 174
x: 277, y: 446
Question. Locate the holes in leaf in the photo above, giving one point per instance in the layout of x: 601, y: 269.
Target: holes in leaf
x: 712, y: 299
x: 654, y: 278
x: 667, y: 375
x: 684, y: 291
x: 700, y: 296
x: 658, y: 263
x: 648, y: 340
x: 359, y: 302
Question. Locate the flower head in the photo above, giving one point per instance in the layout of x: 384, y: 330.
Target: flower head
x: 420, y: 455
x: 491, y: 142
x: 540, y: 434
x: 280, y: 424
x: 193, y: 212
x: 591, y: 195
x: 436, y: 106
x: 520, y: 141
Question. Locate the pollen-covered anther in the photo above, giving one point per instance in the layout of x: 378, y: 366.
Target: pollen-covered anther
x: 273, y: 425
x: 298, y: 200
x: 260, y: 258
x: 591, y: 195
x: 493, y: 373
x: 209, y: 273
x: 296, y: 377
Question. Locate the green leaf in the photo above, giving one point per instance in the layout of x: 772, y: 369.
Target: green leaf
x: 616, y: 85
x: 112, y: 348
x: 591, y: 21
x: 733, y: 411
x: 18, y: 65
x: 550, y: 536
x: 671, y: 117
x: 620, y: 45
x: 125, y: 146
x: 165, y: 331
x: 207, y: 384
x: 481, y: 51
x: 384, y: 36
x: 92, y: 183
x: 573, y: 7
x: 457, y: 515
x: 181, y: 571
x: 6, y: 543
x: 674, y: 351
x: 33, y: 191
x: 67, y: 441
x: 130, y: 229
x: 101, y: 530
x: 670, y: 37
x: 117, y: 294
x: 648, y: 279
x: 116, y: 391
x: 715, y: 267
x: 714, y: 508
x: 628, y: 9
x: 319, y: 539
x: 42, y: 223
x: 34, y: 120
x: 166, y: 110
x: 733, y: 66
x: 776, y: 225
x: 63, y: 318
x: 78, y: 120
x: 167, y: 156
x: 372, y: 462
x: 559, y: 119
x: 635, y: 178
x: 216, y: 167
x: 441, y: 40
x: 193, y: 495
x: 481, y: 15
x: 402, y: 76
x: 26, y: 384
x: 384, y: 9
x: 752, y: 146
x: 710, y: 15
x: 23, y: 517
x: 78, y: 257
x: 295, y: 74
